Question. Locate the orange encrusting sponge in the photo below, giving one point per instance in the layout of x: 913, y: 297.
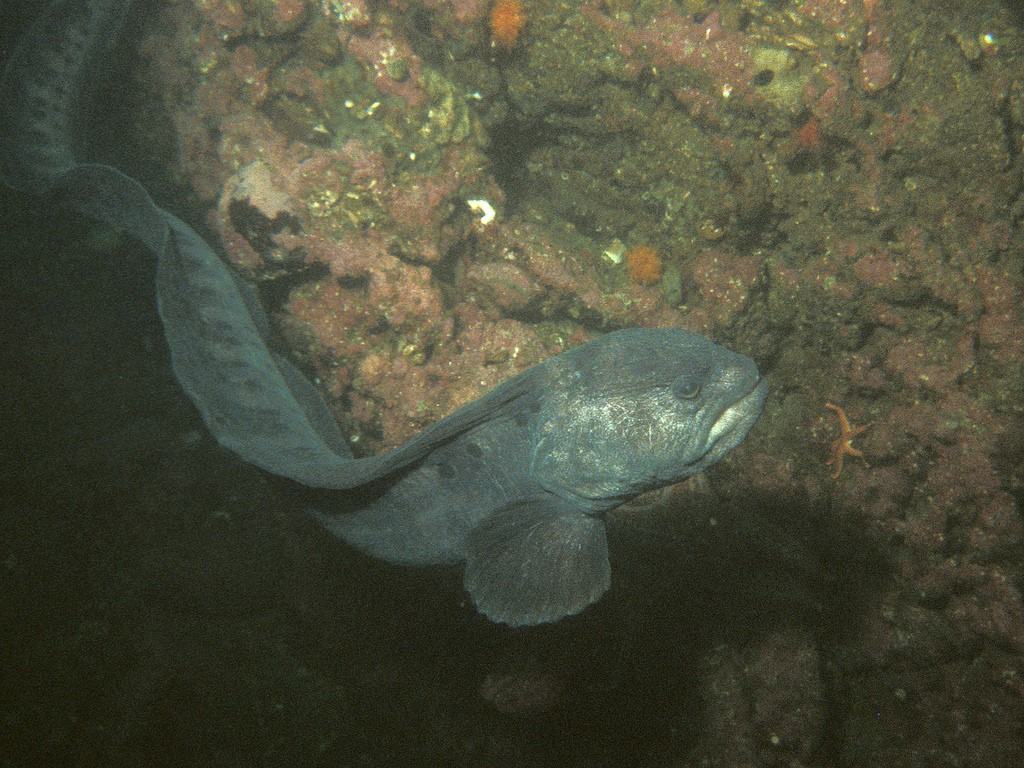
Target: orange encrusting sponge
x: 507, y: 20
x: 643, y: 265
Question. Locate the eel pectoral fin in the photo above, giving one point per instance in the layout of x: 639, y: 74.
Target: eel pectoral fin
x: 536, y: 561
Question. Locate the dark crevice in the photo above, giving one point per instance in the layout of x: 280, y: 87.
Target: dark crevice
x: 354, y: 282
x: 275, y: 293
x: 511, y: 144
x: 259, y: 230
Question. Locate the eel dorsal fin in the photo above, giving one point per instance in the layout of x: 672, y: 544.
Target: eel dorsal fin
x: 42, y: 84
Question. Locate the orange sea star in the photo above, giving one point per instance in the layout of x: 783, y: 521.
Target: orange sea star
x: 843, y: 445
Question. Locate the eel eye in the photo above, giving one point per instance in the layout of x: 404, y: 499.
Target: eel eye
x: 689, y: 394
x: 686, y: 388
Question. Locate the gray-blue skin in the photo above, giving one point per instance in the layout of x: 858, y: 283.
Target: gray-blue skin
x: 513, y: 484
x: 520, y: 497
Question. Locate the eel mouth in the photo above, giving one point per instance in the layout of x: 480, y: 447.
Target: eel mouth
x: 736, y: 420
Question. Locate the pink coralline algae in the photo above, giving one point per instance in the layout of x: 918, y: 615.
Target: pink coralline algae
x: 228, y: 15
x: 999, y: 327
x: 876, y: 65
x: 832, y: 14
x: 725, y: 282
x: 255, y: 186
x: 289, y: 13
x: 876, y: 70
x: 237, y: 17
x: 421, y: 205
x: 396, y: 68
x: 675, y: 41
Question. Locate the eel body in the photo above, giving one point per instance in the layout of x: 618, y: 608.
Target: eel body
x: 514, y: 484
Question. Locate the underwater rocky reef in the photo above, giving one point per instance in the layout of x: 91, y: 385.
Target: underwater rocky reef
x: 433, y: 196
